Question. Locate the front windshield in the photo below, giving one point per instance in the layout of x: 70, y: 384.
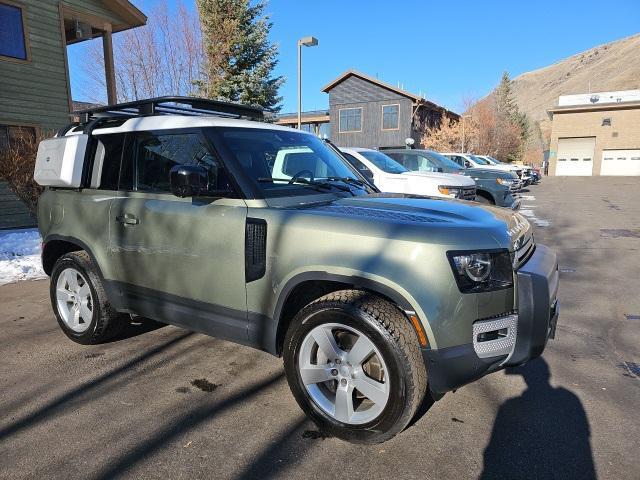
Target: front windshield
x: 289, y: 163
x: 480, y: 161
x: 443, y: 162
x: 491, y: 160
x: 383, y: 162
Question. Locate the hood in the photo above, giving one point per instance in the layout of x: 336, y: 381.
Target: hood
x: 449, y: 179
x: 486, y: 173
x: 416, y: 210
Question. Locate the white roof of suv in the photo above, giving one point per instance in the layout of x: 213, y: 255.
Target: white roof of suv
x: 167, y: 122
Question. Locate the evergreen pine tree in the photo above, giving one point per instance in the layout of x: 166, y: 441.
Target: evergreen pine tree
x: 510, y: 115
x: 239, y: 56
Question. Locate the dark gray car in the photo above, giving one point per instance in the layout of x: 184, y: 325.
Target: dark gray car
x: 492, y: 187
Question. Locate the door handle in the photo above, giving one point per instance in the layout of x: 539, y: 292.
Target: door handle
x: 127, y: 219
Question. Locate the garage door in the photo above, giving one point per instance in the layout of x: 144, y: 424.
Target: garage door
x: 575, y: 156
x: 620, y: 162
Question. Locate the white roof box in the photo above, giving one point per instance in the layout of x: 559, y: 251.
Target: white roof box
x: 60, y: 160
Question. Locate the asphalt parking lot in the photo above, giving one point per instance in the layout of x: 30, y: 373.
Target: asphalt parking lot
x: 166, y: 403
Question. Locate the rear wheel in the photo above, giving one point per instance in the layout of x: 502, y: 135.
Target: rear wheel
x: 354, y: 366
x: 80, y: 302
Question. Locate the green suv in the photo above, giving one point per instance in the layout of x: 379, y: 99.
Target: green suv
x: 183, y: 211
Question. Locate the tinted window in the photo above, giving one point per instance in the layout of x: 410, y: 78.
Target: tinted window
x: 383, y: 162
x: 12, y: 42
x: 110, y: 149
x: 156, y: 155
x: 441, y: 161
x: 480, y: 161
x: 361, y: 167
x: 350, y: 120
x: 390, y: 117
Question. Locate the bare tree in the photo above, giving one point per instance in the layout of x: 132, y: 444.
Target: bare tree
x: 163, y: 57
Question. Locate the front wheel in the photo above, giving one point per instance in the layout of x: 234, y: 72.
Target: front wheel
x: 354, y: 366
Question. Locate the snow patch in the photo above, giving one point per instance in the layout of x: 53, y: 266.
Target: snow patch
x: 20, y: 256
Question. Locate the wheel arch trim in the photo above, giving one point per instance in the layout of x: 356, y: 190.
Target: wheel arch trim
x: 72, y: 240
x: 402, y: 299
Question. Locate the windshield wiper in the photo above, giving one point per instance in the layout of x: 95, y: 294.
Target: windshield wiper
x: 304, y: 181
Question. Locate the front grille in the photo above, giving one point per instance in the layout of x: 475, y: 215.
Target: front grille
x: 467, y: 193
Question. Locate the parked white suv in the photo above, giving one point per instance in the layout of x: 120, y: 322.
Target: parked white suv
x: 468, y: 160
x: 526, y: 170
x: 389, y: 176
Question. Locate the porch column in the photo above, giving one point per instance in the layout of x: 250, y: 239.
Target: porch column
x: 109, y: 69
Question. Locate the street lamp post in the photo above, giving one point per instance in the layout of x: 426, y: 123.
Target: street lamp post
x: 307, y: 42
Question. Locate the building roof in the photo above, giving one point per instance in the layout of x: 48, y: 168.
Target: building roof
x: 128, y: 12
x: 593, y: 107
x: 354, y: 73
x: 417, y: 99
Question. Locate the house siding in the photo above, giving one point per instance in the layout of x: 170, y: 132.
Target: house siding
x: 35, y: 92
x: 355, y: 92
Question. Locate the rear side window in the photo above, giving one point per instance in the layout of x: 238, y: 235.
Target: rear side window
x: 106, y: 163
x: 157, y: 154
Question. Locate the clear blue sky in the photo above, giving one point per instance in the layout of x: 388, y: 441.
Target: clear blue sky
x: 446, y: 49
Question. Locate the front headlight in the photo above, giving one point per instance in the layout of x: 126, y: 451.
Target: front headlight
x: 451, y: 191
x: 504, y: 181
x: 482, y: 271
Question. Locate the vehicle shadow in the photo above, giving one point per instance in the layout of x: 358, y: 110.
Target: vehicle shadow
x: 136, y: 326
x: 543, y: 433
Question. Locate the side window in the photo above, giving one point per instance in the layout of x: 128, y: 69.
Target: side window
x: 106, y: 162
x: 157, y: 154
x: 13, y: 42
x: 425, y: 164
x: 361, y: 167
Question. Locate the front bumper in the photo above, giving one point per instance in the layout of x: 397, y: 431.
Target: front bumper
x: 508, y: 340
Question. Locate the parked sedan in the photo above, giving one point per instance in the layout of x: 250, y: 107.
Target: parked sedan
x: 492, y: 186
x: 389, y: 176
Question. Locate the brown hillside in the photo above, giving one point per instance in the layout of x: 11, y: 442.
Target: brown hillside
x: 608, y: 67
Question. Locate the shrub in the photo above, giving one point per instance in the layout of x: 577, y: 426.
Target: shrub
x: 16, y: 168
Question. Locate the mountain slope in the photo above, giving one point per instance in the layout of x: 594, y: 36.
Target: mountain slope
x: 609, y: 67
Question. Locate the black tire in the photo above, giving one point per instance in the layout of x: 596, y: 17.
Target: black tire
x: 106, y: 322
x: 484, y: 199
x: 391, y: 333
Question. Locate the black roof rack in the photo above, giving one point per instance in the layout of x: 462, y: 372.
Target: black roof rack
x: 171, y: 106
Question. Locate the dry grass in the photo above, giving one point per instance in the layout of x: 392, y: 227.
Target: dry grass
x: 16, y: 168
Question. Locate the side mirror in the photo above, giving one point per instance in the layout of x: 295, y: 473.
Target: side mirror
x: 467, y: 164
x: 440, y: 170
x: 188, y: 180
x: 368, y: 174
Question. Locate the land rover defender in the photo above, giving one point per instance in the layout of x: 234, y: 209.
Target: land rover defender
x: 199, y: 214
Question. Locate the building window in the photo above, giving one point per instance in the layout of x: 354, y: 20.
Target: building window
x: 391, y: 117
x: 606, y: 122
x: 15, y: 137
x: 350, y: 120
x: 12, y: 34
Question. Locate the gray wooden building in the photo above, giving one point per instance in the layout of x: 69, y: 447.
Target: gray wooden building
x: 34, y: 72
x: 366, y: 112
